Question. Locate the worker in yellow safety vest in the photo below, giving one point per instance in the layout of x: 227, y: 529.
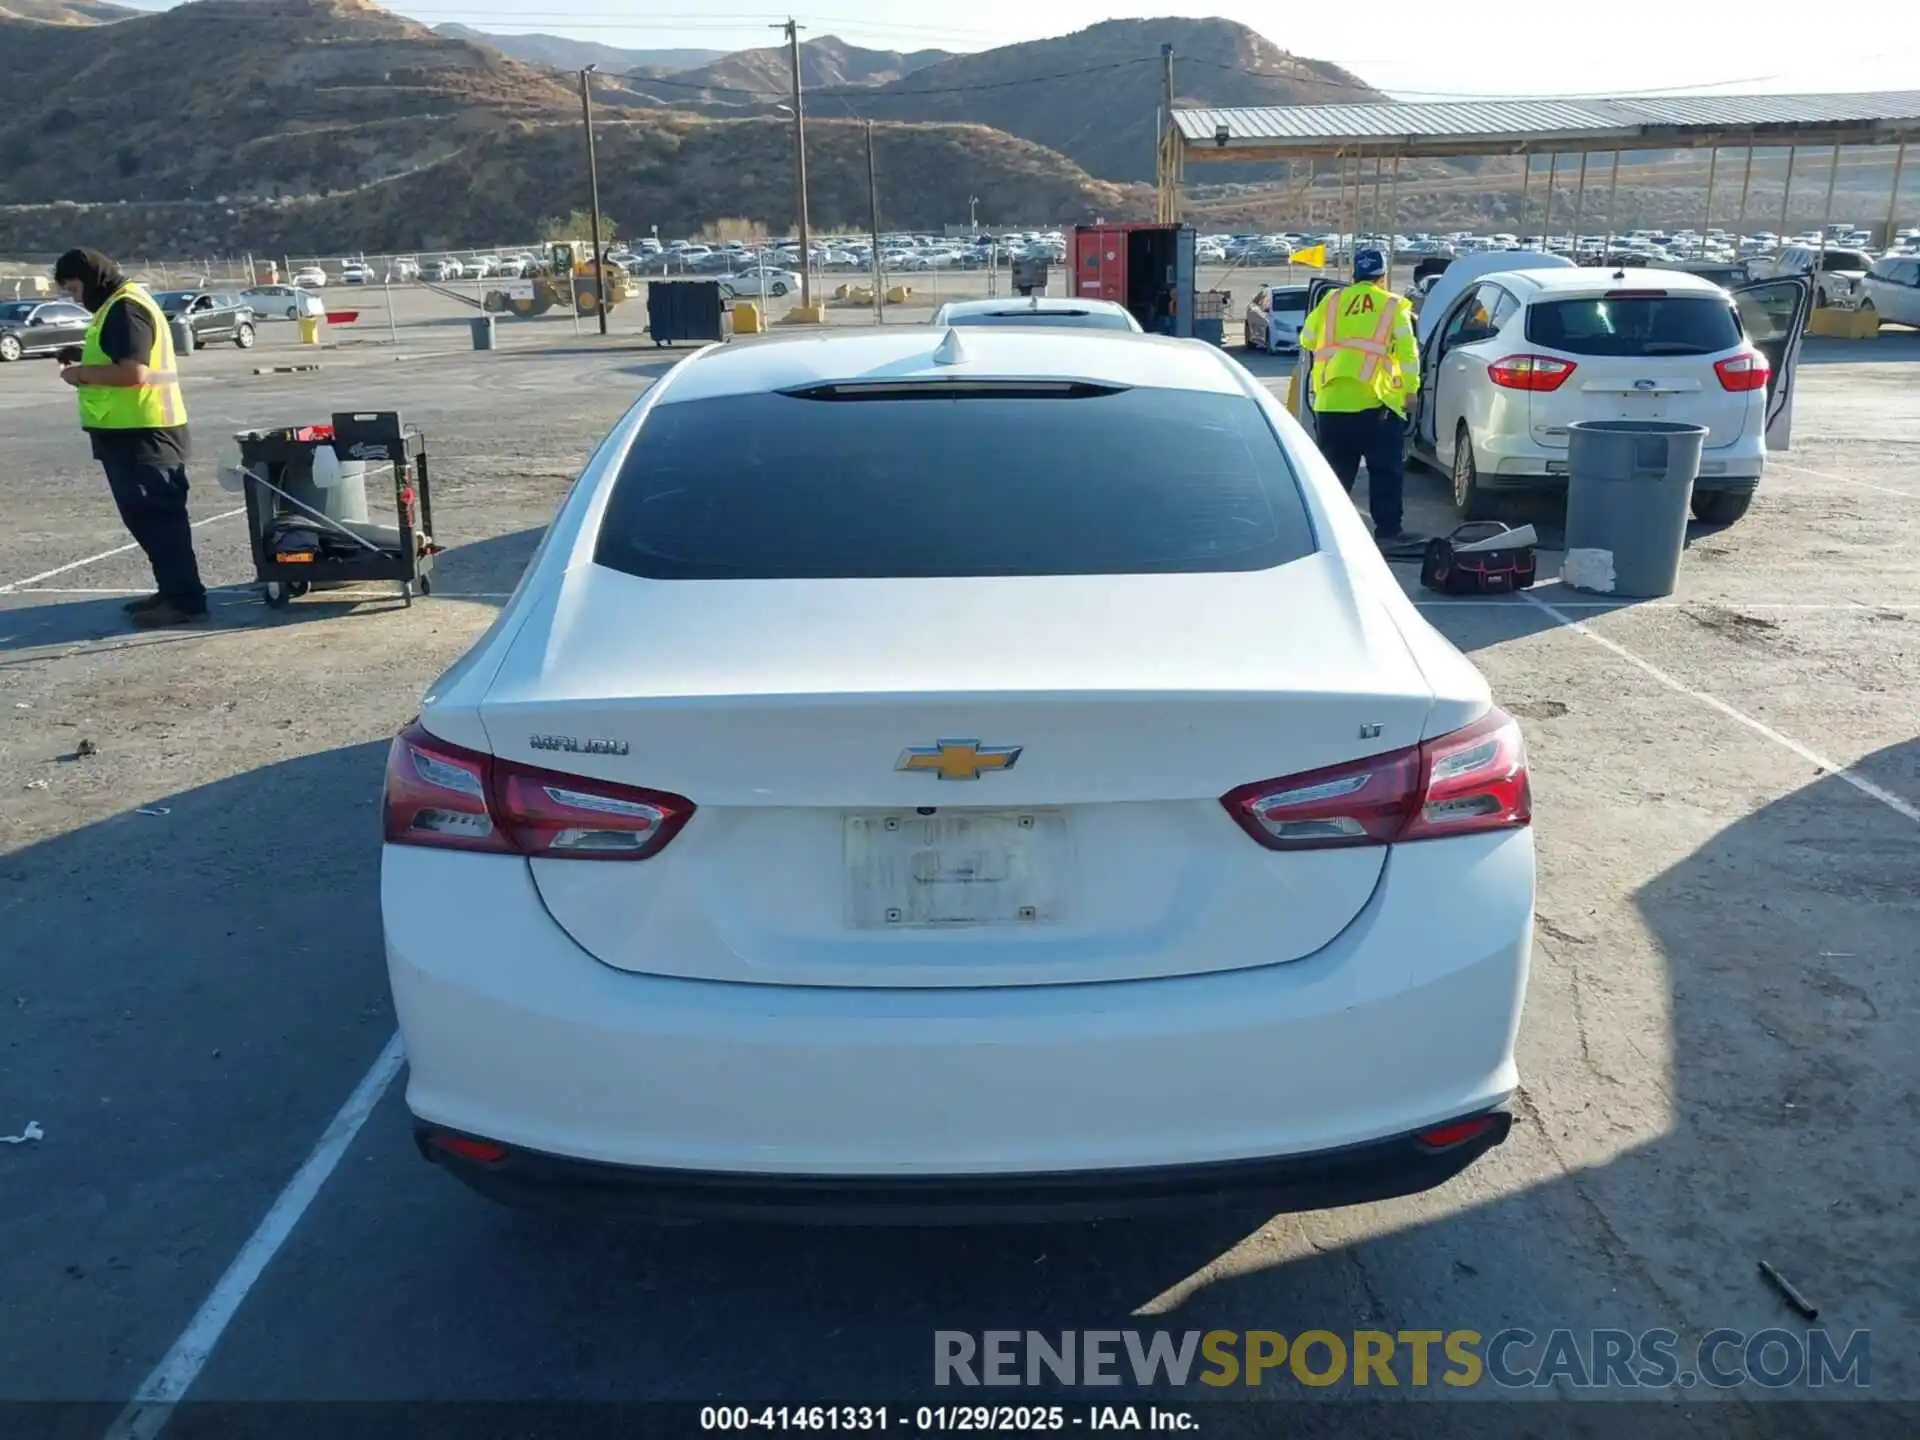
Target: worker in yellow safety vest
x: 132, y: 410
x: 1366, y: 369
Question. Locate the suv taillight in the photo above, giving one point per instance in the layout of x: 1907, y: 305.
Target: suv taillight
x: 1471, y: 780
x: 1530, y: 372
x: 446, y: 796
x: 1743, y: 372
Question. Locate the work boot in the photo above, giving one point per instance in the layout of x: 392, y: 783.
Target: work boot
x: 168, y: 612
x: 1400, y: 543
x: 145, y: 602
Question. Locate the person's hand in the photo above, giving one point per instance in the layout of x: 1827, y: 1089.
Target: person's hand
x: 71, y: 374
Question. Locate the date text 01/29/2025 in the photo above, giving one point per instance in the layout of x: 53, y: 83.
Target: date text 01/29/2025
x: 980, y: 1419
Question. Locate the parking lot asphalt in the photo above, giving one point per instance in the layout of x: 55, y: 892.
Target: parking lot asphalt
x: 1717, y: 1051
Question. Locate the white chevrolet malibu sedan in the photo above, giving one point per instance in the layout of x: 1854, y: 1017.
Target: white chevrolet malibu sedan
x: 981, y: 774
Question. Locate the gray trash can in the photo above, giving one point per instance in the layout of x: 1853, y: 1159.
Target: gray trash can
x: 339, y: 492
x: 1629, y: 485
x: 182, y: 334
x: 483, y: 332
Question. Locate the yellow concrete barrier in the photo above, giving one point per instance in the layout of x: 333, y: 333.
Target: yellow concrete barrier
x: 899, y: 294
x: 842, y: 290
x: 310, y: 329
x: 1844, y: 324
x: 746, y: 318
x: 814, y: 314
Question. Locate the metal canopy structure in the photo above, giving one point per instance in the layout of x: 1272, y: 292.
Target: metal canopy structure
x: 1392, y: 132
x: 1456, y: 128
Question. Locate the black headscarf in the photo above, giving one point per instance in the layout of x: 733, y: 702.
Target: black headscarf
x: 96, y: 272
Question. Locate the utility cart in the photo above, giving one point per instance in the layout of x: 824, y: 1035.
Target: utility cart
x: 307, y: 517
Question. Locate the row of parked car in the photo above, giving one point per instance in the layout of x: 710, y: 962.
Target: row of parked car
x: 46, y: 327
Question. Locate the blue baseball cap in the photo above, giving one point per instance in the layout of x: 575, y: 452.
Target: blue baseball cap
x: 1368, y: 263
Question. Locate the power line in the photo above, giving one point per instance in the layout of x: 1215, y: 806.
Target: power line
x: 889, y: 92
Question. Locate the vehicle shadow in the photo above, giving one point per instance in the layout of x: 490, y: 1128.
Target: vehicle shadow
x: 480, y: 570
x: 1640, y: 1190
x: 192, y: 1062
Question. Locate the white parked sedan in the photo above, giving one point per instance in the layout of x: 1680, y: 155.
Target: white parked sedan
x: 282, y: 302
x: 311, y: 277
x: 748, y: 284
x: 1274, y: 317
x: 1891, y: 289
x: 889, y: 790
x: 1516, y: 347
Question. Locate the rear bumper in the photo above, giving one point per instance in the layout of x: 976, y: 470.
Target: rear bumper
x: 1519, y: 463
x: 1351, y: 1175
x: 1404, y: 1022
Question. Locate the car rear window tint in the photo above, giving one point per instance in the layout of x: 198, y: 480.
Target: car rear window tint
x: 772, y: 486
x: 1635, y: 325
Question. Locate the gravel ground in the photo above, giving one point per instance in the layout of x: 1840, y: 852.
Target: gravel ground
x: 1717, y: 1048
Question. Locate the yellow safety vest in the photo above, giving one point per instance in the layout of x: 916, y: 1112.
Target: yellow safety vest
x: 156, y: 405
x: 1364, y: 354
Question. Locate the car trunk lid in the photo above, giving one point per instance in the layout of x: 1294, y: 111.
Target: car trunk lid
x: 1088, y: 726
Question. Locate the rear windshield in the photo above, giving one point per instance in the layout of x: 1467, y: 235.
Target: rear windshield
x: 1076, y: 319
x: 771, y: 486
x: 1664, y: 325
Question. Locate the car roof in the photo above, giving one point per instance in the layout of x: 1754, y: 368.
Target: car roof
x: 1032, y: 304
x: 1593, y: 280
x: 1113, y: 357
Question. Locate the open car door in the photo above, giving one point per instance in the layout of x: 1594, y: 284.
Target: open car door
x: 1317, y: 290
x: 1774, y: 314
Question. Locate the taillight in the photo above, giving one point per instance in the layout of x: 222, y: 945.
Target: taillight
x: 444, y: 795
x: 1743, y: 372
x: 570, y: 817
x: 437, y: 794
x: 1474, y: 779
x: 1471, y: 780
x: 1530, y: 372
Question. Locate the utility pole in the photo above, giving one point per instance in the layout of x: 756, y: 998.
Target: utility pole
x: 873, y: 231
x: 800, y: 166
x: 593, y: 186
x: 1169, y: 159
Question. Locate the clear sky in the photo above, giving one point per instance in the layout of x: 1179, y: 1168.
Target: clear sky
x: 1437, y: 48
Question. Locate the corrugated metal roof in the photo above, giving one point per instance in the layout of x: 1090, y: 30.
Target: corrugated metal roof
x: 1429, y: 126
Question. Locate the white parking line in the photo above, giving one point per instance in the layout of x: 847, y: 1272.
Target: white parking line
x: 9, y: 588
x: 1794, y: 466
x: 1840, y: 772
x: 152, y: 1405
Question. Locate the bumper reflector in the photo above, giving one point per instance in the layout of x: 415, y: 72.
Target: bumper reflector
x: 487, y: 1152
x: 1457, y: 1132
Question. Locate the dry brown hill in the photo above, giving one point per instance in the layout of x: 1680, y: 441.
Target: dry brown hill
x: 563, y: 52
x: 66, y: 12
x: 1099, y: 111
x: 336, y: 124
x: 756, y: 76
x: 286, y: 97
x: 1092, y: 95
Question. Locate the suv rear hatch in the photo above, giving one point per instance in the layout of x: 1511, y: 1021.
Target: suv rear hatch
x: 1638, y: 353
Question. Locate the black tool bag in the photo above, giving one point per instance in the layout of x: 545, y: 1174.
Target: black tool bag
x: 1452, y: 571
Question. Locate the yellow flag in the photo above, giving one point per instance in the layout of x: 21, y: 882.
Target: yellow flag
x: 1314, y: 255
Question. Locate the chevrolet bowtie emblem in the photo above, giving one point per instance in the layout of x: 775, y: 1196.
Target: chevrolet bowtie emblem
x: 958, y: 759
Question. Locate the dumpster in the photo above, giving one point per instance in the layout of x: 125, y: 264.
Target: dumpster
x: 1629, y: 486
x: 681, y: 310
